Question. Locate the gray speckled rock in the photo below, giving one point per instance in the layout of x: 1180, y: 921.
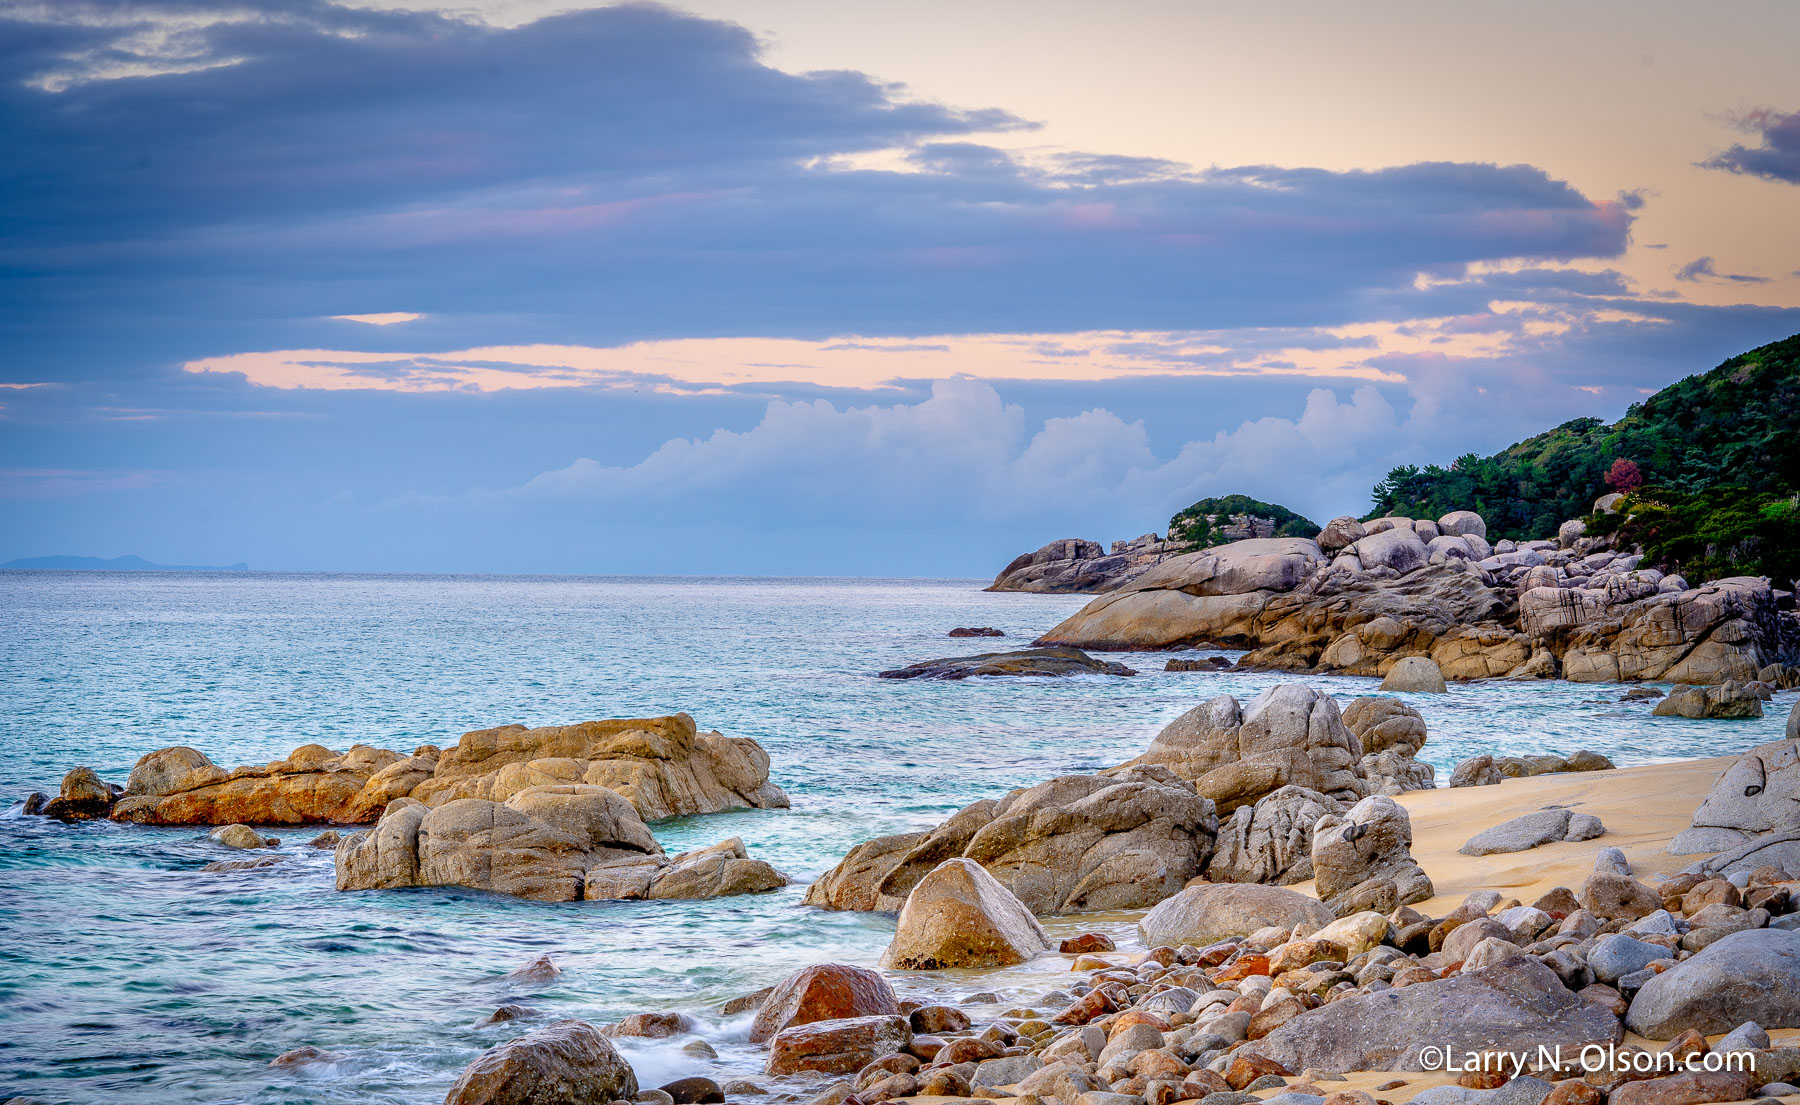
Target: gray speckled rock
x: 1747, y: 976
x: 1532, y: 830
x: 1618, y: 955
x: 1514, y: 1005
x: 1519, y: 834
x: 1520, y: 1091
x: 1271, y: 842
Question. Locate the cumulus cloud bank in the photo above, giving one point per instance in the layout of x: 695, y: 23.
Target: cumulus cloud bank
x: 965, y: 457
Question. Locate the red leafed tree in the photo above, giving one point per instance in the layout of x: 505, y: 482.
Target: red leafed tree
x: 1624, y: 476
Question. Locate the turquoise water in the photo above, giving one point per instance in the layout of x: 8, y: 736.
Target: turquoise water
x: 127, y: 974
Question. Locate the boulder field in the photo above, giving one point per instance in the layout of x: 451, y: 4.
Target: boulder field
x: 1245, y: 989
x: 1367, y: 598
x: 663, y: 767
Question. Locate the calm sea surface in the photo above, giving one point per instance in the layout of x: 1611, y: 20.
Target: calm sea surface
x: 127, y: 974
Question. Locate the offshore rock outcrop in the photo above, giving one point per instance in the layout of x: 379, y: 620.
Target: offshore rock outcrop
x: 556, y: 843
x: 1073, y: 565
x: 1042, y: 662
x: 664, y: 767
x: 1400, y: 588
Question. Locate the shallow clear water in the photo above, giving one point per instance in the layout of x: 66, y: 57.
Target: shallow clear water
x: 129, y: 975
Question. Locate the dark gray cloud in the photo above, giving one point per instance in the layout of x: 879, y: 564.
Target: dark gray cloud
x: 631, y: 172
x: 1777, y: 158
x: 1701, y: 269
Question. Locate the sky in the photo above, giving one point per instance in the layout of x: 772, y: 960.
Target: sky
x: 790, y: 287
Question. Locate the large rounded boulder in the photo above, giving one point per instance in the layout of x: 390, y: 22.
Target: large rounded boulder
x: 1753, y: 975
x: 826, y: 992
x: 1209, y: 912
x: 960, y: 916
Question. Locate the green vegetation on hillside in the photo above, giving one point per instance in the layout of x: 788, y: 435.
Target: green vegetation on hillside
x: 1720, y: 532
x: 1191, y: 525
x: 1718, y: 455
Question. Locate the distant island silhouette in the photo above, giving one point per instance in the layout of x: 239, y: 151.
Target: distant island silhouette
x: 116, y: 564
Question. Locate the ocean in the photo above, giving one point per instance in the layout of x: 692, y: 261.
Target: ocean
x: 128, y: 974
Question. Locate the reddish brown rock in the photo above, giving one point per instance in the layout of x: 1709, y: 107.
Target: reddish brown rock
x: 934, y: 1019
x: 1575, y: 1091
x: 1686, y: 1088
x: 1087, y: 942
x: 1246, y: 1069
x: 967, y: 1049
x: 565, y: 1063
x: 839, y: 1046
x: 1086, y: 1008
x: 1269, y: 1019
x: 84, y: 796
x: 829, y: 991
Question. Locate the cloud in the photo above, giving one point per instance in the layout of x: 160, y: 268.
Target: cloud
x: 963, y: 457
x: 1702, y: 269
x: 1515, y: 309
x: 383, y: 318
x: 631, y: 173
x: 1777, y: 158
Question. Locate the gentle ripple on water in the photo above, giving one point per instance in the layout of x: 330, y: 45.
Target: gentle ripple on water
x: 127, y: 974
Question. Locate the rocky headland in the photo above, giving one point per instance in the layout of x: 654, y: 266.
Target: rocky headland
x: 1361, y: 598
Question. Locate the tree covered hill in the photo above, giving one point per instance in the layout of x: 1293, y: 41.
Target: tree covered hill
x: 1225, y: 518
x: 1736, y: 426
x: 1711, y: 465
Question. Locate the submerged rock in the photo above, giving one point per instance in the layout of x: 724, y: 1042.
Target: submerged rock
x: 959, y: 916
x: 564, y: 1063
x: 241, y: 836
x: 976, y: 631
x: 1050, y: 662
